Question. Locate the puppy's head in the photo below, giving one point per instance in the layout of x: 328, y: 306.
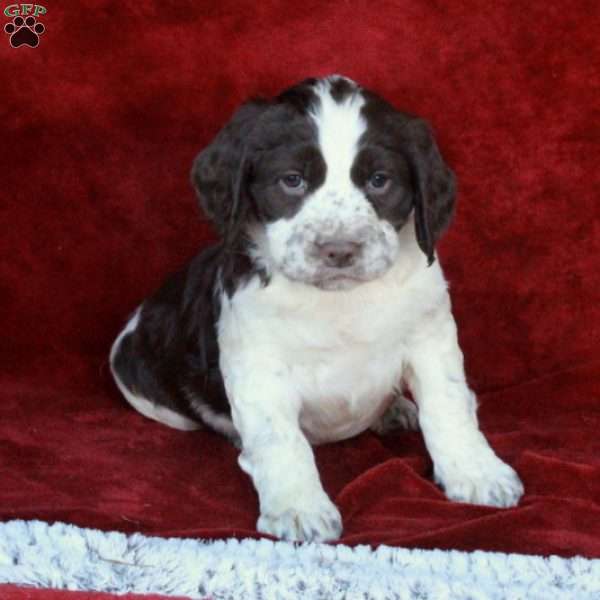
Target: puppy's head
x: 322, y: 179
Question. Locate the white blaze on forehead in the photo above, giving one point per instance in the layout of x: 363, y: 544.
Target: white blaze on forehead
x: 340, y: 126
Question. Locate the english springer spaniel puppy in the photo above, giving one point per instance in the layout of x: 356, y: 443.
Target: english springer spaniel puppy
x: 322, y: 302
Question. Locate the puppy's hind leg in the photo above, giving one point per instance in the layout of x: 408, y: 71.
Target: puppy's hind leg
x: 402, y: 414
x: 131, y: 375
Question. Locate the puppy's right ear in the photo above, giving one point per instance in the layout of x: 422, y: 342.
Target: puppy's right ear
x: 219, y: 171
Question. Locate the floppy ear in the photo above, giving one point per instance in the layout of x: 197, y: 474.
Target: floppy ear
x: 219, y: 171
x: 434, y: 183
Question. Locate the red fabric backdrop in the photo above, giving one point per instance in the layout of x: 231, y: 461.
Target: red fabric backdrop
x: 99, y: 126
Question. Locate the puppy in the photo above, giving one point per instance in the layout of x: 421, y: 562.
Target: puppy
x: 323, y: 299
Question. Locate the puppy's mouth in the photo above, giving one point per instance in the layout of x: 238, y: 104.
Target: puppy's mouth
x: 329, y: 281
x: 325, y: 277
x: 339, y: 282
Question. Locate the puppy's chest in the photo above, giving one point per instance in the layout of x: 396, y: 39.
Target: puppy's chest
x: 340, y: 358
x: 347, y: 385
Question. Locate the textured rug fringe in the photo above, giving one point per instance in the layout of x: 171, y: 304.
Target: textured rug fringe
x: 67, y: 557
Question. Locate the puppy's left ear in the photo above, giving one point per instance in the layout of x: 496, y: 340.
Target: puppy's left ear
x: 434, y: 183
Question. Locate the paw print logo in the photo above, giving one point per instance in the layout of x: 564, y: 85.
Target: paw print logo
x: 24, y: 31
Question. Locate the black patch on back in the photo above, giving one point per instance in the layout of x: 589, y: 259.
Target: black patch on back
x: 173, y: 353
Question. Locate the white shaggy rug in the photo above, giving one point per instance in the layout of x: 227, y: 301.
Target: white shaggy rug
x: 67, y: 557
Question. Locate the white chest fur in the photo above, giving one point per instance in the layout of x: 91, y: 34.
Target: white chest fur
x: 336, y: 356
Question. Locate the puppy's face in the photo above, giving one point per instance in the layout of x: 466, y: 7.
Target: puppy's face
x: 326, y: 176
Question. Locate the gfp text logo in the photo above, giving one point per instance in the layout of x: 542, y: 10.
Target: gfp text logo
x: 25, y: 29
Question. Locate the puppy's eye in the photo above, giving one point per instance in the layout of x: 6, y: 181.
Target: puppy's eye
x: 379, y: 182
x: 292, y: 183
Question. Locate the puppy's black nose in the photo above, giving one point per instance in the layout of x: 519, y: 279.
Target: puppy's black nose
x: 339, y: 254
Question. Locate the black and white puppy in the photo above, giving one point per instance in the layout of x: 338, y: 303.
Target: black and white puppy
x: 320, y: 303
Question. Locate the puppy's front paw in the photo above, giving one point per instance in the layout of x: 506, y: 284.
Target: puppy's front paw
x: 489, y: 482
x: 319, y: 521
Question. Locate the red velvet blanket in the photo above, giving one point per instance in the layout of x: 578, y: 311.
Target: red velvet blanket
x: 100, y: 123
